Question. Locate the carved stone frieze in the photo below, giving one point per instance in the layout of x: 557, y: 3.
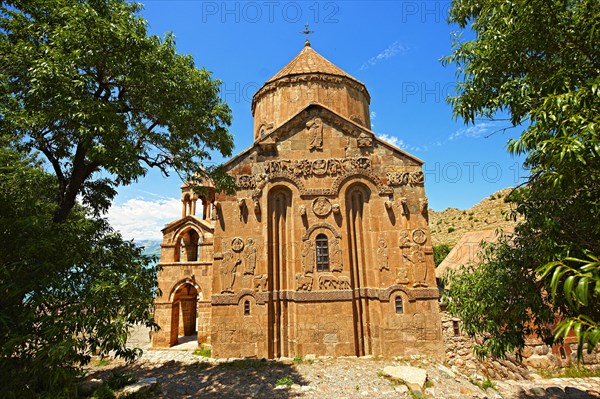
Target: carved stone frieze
x: 304, y: 282
x: 405, y: 178
x: 250, y: 257
x: 318, y: 167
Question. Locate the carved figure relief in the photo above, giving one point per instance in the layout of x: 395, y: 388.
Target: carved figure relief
x: 304, y: 282
x: 344, y: 283
x: 401, y: 275
x: 237, y: 244
x: 403, y: 206
x: 382, y: 255
x: 260, y: 282
x: 321, y: 206
x: 335, y: 256
x: 416, y: 256
x: 302, y: 210
x: 406, y: 178
x: 250, y: 257
x: 419, y: 236
x: 335, y: 208
x: 404, y: 241
x: 317, y: 167
x: 308, y: 257
x: 328, y: 281
x: 364, y: 140
x: 229, y: 266
x: 315, y: 132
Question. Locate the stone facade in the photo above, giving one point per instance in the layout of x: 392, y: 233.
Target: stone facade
x: 324, y: 248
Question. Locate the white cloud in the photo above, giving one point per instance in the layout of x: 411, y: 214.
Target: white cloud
x: 391, y: 51
x: 373, y: 115
x: 473, y: 132
x: 140, y: 219
x: 393, y: 140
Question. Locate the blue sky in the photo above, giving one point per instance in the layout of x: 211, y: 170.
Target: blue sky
x: 393, y: 47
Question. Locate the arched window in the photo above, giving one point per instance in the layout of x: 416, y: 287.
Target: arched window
x: 399, y: 305
x: 322, y: 246
x: 246, y: 308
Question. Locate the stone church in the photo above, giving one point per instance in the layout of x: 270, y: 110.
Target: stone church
x: 324, y: 249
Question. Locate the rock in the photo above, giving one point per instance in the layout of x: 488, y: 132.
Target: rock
x: 408, y: 374
x: 446, y: 371
x: 143, y: 385
x: 538, y: 362
x: 401, y: 388
x: 310, y: 357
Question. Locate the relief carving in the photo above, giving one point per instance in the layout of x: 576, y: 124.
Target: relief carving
x: 364, y: 140
x: 406, y: 178
x: 318, y: 167
x: 328, y: 281
x: 304, y: 282
x: 302, y: 210
x: 250, y: 255
x: 308, y: 257
x: 416, y: 256
x: 404, y: 241
x: 423, y: 207
x: 335, y: 256
x: 315, y: 131
x: 419, y: 236
x: 382, y: 255
x: 401, y: 275
x: 260, y: 282
x: 237, y: 244
x: 335, y: 208
x: 229, y: 266
x: 321, y: 206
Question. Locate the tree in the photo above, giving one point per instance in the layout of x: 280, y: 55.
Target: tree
x: 440, y: 252
x: 538, y: 61
x: 67, y: 290
x: 83, y: 83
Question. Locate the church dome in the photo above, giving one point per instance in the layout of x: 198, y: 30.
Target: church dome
x: 307, y: 79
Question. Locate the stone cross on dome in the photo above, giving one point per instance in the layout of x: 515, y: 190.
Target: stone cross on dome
x: 307, y: 32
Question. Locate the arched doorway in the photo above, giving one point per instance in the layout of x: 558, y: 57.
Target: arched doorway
x: 184, y: 313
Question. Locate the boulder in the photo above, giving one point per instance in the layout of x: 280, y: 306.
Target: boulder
x: 410, y: 375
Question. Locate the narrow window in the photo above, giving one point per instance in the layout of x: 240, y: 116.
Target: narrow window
x: 399, y: 305
x: 563, y: 355
x: 247, y: 308
x: 456, y: 328
x: 322, y: 253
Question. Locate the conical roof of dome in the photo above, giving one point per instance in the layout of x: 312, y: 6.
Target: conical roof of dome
x: 309, y: 61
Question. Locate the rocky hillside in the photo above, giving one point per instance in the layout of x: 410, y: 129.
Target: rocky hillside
x: 449, y: 225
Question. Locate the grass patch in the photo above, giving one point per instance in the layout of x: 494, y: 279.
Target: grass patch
x: 113, y: 383
x: 203, y: 350
x: 285, y: 381
x: 570, y: 372
x: 298, y: 360
x: 484, y: 385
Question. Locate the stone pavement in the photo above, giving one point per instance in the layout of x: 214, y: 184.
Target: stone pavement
x: 181, y: 374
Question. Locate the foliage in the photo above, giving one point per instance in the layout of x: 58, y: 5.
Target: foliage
x: 483, y: 385
x: 440, y: 252
x: 570, y: 372
x: 285, y: 381
x: 69, y: 290
x: 82, y: 83
x: 539, y: 61
x: 203, y: 351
